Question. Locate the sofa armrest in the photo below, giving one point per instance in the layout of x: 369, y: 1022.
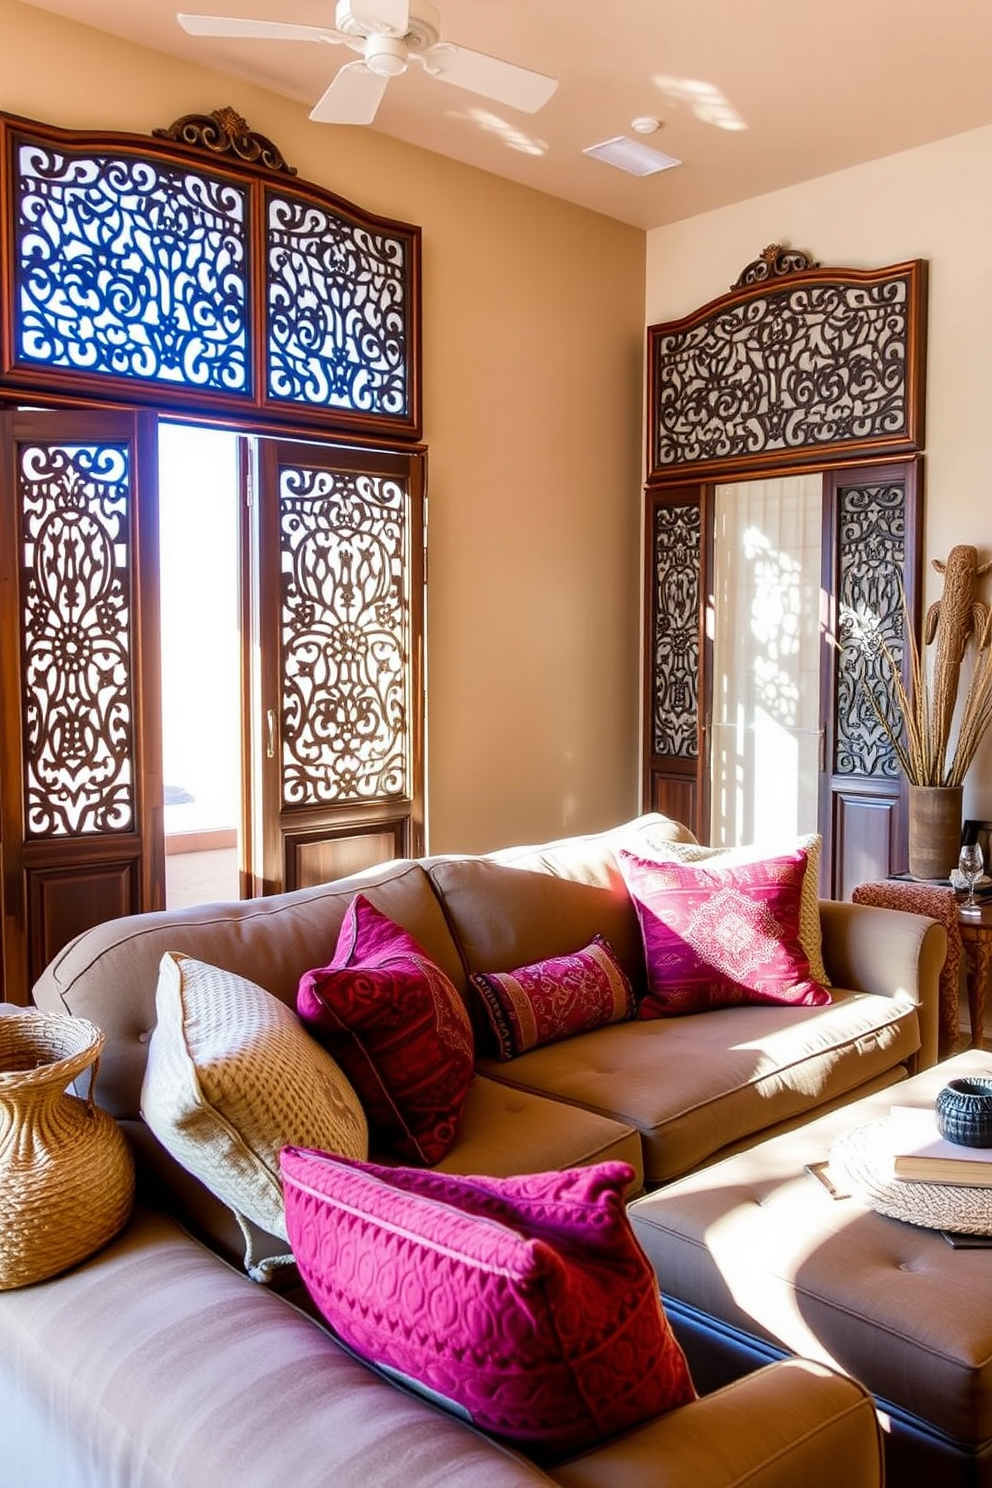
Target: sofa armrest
x: 891, y: 953
x: 791, y: 1422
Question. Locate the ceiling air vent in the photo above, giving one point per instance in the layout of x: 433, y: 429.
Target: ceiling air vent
x: 632, y: 156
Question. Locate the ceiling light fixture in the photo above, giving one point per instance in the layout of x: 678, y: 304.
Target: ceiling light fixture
x: 645, y: 124
x: 631, y: 156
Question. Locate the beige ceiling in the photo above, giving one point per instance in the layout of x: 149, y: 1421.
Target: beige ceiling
x: 752, y: 95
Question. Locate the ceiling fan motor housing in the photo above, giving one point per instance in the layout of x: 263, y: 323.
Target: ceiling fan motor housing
x: 423, y: 28
x: 386, y: 55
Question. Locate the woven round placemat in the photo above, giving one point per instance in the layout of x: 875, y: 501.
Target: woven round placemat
x: 863, y: 1157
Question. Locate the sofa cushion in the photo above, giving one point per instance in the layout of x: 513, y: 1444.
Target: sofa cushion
x: 504, y: 1130
x: 716, y: 936
x: 523, y: 1303
x: 555, y: 998
x: 811, y: 843
x: 231, y: 1078
x: 399, y: 1028
x: 704, y: 1084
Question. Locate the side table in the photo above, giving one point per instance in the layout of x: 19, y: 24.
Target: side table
x: 976, y: 944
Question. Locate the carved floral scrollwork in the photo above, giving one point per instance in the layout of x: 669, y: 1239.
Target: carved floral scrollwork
x: 338, y: 307
x: 345, y: 637
x: 675, y: 631
x: 131, y: 268
x: 806, y: 366
x: 225, y: 132
x: 871, y: 538
x: 78, y: 714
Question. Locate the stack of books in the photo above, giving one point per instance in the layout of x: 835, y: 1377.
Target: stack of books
x: 919, y: 1152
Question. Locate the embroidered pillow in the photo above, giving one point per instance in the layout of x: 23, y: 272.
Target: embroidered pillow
x: 231, y: 1078
x: 525, y: 1304
x: 399, y: 1030
x: 811, y: 843
x: 554, y: 999
x: 718, y: 936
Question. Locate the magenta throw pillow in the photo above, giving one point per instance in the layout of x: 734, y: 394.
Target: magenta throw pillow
x: 523, y: 1303
x: 714, y: 937
x: 398, y: 1028
x: 554, y: 999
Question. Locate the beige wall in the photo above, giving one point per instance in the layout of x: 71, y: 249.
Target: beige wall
x: 533, y: 317
x: 933, y: 203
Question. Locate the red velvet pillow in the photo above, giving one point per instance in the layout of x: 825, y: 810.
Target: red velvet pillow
x: 397, y: 1027
x: 718, y: 936
x: 525, y: 1303
x: 554, y: 999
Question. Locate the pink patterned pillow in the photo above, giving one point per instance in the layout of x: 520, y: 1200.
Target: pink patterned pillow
x: 525, y: 1303
x: 554, y: 999
x: 399, y: 1030
x: 717, y: 936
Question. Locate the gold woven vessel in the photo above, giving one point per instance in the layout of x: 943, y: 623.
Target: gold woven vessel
x: 66, y: 1173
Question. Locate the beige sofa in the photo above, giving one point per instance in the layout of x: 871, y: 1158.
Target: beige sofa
x: 158, y: 1362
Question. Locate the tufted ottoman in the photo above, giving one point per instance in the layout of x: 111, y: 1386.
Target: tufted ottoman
x: 756, y: 1260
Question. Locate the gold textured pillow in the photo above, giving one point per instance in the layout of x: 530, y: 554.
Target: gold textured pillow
x: 810, y: 933
x: 232, y: 1078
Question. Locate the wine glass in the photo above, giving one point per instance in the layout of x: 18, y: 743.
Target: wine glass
x: 971, y: 864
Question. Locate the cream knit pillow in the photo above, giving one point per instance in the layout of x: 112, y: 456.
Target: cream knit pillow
x: 810, y: 933
x: 232, y: 1078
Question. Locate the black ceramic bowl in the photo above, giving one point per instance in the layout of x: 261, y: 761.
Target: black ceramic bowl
x: 964, y: 1112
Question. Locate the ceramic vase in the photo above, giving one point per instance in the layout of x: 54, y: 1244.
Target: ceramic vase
x: 934, y: 830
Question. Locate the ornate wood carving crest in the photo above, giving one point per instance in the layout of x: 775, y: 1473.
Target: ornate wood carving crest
x: 796, y: 362
x: 224, y: 132
x: 773, y: 263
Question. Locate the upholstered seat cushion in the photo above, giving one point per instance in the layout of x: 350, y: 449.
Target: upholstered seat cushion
x: 505, y: 1130
x: 685, y: 1083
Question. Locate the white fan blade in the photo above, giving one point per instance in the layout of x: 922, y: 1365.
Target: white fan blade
x: 204, y: 25
x: 392, y: 17
x: 352, y: 98
x: 502, y: 81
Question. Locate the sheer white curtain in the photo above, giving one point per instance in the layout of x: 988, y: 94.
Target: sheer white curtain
x: 766, y: 659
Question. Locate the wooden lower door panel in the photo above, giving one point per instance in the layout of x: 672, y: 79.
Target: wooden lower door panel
x: 64, y: 901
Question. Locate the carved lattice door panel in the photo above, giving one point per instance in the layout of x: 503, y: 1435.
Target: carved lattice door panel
x: 80, y: 768
x: 677, y: 655
x: 874, y: 518
x: 337, y: 692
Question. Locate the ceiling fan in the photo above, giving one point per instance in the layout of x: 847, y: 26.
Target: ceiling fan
x: 388, y: 34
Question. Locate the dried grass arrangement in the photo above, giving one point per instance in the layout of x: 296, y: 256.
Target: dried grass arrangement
x: 924, y: 711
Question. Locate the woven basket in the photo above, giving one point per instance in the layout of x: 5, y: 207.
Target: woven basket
x: 66, y: 1174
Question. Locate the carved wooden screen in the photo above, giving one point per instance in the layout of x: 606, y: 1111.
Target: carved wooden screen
x: 797, y: 364
x: 174, y: 266
x: 339, y: 549
x: 79, y: 751
x: 797, y: 367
